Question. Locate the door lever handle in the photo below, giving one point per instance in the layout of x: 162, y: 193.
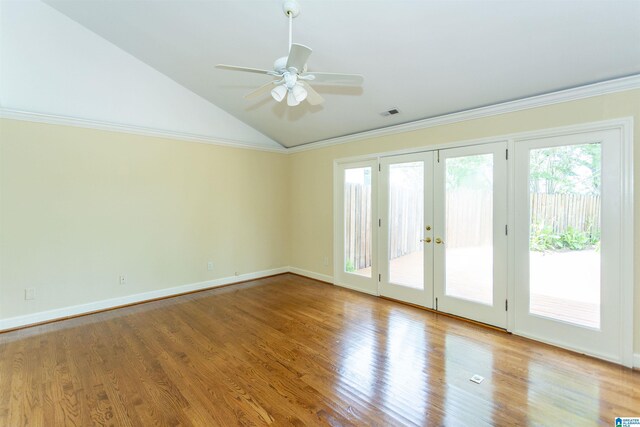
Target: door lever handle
x: 427, y: 240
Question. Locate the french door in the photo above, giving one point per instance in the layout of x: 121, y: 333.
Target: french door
x: 406, y: 224
x: 470, y: 260
x: 442, y: 222
x: 452, y: 229
x: 356, y: 237
x: 567, y: 243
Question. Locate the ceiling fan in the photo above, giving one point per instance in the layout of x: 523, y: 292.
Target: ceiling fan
x: 291, y: 78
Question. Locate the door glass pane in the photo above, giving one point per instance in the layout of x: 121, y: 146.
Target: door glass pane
x: 406, y: 222
x: 564, y: 233
x: 469, y: 228
x: 357, y: 221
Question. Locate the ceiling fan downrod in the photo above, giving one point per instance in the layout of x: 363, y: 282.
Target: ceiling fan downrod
x: 291, y: 8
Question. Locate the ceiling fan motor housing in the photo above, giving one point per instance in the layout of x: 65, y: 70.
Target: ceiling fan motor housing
x: 280, y: 65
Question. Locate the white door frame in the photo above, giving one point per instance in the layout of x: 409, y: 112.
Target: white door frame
x: 340, y: 276
x: 422, y: 297
x: 625, y: 125
x: 621, y: 132
x: 495, y: 314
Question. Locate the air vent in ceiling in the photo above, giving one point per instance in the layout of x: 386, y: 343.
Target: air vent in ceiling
x: 390, y: 112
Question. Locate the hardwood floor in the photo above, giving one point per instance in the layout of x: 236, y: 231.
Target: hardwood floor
x: 289, y: 350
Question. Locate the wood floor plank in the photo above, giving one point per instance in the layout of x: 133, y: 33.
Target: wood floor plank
x: 287, y: 350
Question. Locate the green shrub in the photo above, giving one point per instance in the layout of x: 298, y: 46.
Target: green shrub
x: 349, y: 266
x: 573, y: 239
x: 543, y: 239
x: 594, y: 238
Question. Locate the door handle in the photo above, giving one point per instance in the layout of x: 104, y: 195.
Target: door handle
x: 427, y: 240
x: 439, y: 240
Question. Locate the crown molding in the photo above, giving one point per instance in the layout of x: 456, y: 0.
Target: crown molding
x: 587, y: 91
x: 8, y: 113
x: 581, y: 92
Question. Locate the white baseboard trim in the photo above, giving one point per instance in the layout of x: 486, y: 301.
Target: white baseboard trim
x: 76, y: 310
x: 311, y: 274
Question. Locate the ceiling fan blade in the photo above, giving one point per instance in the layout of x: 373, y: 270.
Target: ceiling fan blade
x: 262, y: 89
x: 245, y: 69
x: 313, y: 97
x: 336, y: 78
x: 298, y: 56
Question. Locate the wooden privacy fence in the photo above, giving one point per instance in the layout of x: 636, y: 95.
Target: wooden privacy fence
x: 561, y: 211
x: 358, y: 221
x: 406, y: 221
x: 468, y: 219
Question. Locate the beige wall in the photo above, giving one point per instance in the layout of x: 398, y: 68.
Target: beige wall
x: 79, y: 207
x: 312, y: 171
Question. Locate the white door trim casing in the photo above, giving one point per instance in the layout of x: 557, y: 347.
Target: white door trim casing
x: 494, y: 314
x: 340, y: 276
x: 424, y: 296
x: 621, y: 139
x: 627, y: 275
x: 606, y: 340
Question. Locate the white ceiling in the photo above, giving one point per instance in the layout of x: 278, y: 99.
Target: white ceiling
x: 55, y: 70
x: 427, y: 58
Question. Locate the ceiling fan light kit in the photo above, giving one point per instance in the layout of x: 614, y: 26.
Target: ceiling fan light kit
x: 278, y: 93
x: 290, y: 72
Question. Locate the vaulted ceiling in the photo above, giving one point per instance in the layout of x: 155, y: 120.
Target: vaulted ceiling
x: 426, y: 58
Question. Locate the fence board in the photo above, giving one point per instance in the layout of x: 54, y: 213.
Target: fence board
x: 468, y: 219
x: 561, y: 211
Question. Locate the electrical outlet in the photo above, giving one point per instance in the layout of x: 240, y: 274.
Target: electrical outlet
x: 210, y: 266
x: 30, y: 293
x: 123, y: 279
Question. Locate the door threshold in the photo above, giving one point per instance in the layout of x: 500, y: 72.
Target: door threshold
x: 453, y: 316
